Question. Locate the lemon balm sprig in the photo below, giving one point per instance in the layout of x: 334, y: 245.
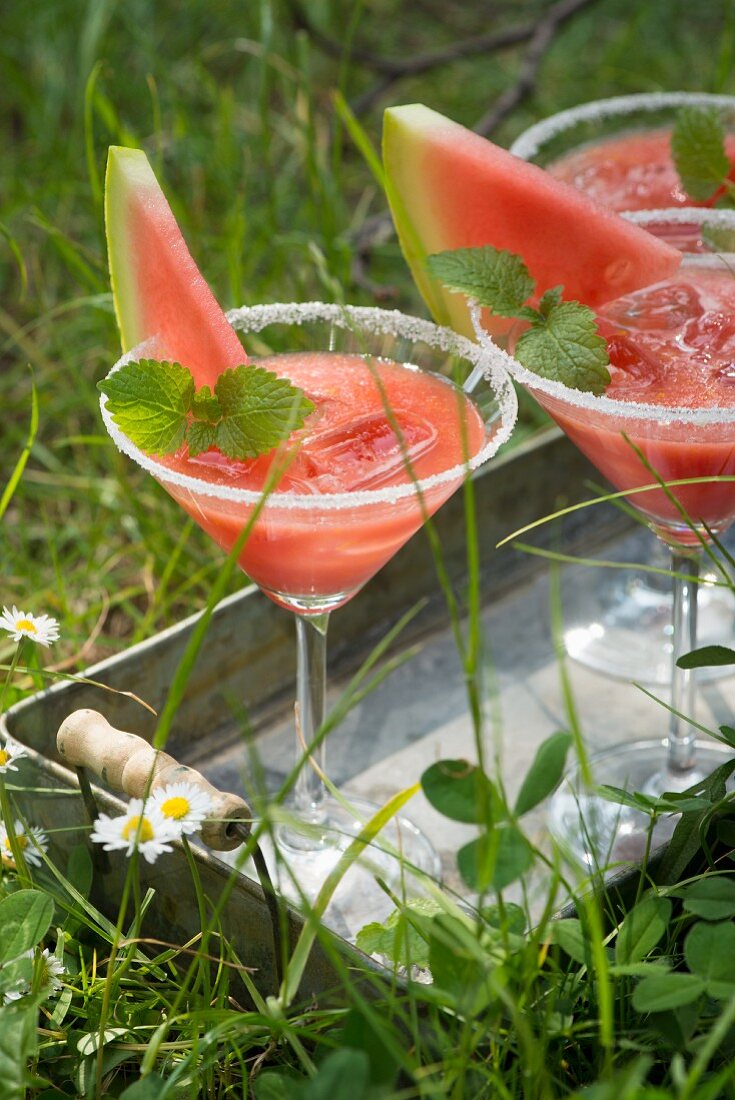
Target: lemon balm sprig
x: 560, y: 341
x: 156, y: 404
x: 699, y: 153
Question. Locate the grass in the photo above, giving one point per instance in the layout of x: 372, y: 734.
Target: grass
x: 236, y: 110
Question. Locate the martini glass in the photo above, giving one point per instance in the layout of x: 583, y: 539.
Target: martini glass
x: 617, y: 151
x: 672, y: 349
x: 393, y: 435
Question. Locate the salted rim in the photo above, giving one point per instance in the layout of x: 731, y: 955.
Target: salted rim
x: 492, y: 361
x: 630, y: 410
x: 530, y: 141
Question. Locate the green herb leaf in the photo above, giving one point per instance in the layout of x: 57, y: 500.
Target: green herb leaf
x: 562, y: 342
x: 200, y: 436
x: 497, y: 279
x: 250, y: 412
x: 259, y: 410
x: 149, y: 401
x: 551, y: 298
x: 698, y: 149
x: 205, y: 406
x: 566, y: 347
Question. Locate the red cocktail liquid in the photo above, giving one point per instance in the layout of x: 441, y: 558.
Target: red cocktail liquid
x: 630, y: 171
x: 671, y: 346
x: 372, y: 418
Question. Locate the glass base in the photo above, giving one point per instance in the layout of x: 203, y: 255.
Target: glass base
x: 597, y: 834
x: 619, y: 623
x: 303, y: 860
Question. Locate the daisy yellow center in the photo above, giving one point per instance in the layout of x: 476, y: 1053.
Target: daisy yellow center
x: 22, y: 842
x: 4, y: 757
x: 176, y: 807
x: 26, y: 624
x: 130, y: 829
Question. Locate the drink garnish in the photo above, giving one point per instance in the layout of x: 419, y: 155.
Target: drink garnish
x: 158, y: 407
x: 698, y: 151
x: 561, y: 342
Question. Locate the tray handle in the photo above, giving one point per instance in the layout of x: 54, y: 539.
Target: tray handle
x: 126, y: 762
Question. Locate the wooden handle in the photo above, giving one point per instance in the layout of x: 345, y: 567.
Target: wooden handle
x: 126, y: 762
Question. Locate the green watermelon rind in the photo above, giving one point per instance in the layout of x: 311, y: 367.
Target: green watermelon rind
x: 127, y: 170
x: 448, y: 187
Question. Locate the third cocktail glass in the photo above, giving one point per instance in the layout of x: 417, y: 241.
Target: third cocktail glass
x: 618, y: 151
x: 668, y: 415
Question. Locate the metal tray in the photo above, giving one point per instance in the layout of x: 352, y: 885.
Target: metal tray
x: 247, y: 664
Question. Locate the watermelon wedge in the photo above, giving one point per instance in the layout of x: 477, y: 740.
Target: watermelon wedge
x: 157, y: 288
x: 450, y: 188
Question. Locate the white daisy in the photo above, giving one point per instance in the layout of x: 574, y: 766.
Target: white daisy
x: 183, y: 804
x: 149, y: 831
x: 10, y: 751
x: 31, y: 842
x: 22, y: 624
x: 51, y: 971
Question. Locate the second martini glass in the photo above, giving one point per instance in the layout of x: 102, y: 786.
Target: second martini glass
x: 669, y: 413
x: 618, y: 151
x: 392, y: 436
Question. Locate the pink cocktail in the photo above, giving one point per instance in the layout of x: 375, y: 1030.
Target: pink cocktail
x: 393, y: 434
x: 345, y: 502
x: 618, y: 151
x: 668, y: 414
x: 672, y: 354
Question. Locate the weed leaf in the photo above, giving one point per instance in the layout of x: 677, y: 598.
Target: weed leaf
x: 545, y: 772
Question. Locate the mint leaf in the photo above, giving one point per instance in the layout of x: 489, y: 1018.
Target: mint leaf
x: 562, y: 342
x: 698, y: 149
x: 259, y: 409
x: 149, y: 401
x: 156, y: 405
x: 200, y: 436
x: 206, y: 406
x: 496, y: 278
x: 564, y: 345
x: 551, y: 298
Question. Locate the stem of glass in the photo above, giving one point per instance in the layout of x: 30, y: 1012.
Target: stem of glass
x: 681, y: 734
x: 311, y: 685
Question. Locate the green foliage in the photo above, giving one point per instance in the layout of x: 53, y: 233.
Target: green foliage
x: 276, y: 202
x: 494, y: 277
x: 560, y: 340
x: 698, y: 148
x: 156, y: 406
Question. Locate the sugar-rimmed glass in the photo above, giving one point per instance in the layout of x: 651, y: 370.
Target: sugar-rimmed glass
x: 621, y: 624
x: 679, y: 442
x: 311, y: 547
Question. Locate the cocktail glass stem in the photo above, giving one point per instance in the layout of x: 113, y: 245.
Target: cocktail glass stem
x: 685, y: 569
x: 311, y: 684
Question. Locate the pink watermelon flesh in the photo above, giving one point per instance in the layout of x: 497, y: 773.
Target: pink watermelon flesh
x: 157, y: 287
x: 450, y: 188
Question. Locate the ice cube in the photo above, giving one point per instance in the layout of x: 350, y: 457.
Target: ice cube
x: 713, y: 332
x: 634, y: 365
x: 366, y: 453
x: 662, y: 308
